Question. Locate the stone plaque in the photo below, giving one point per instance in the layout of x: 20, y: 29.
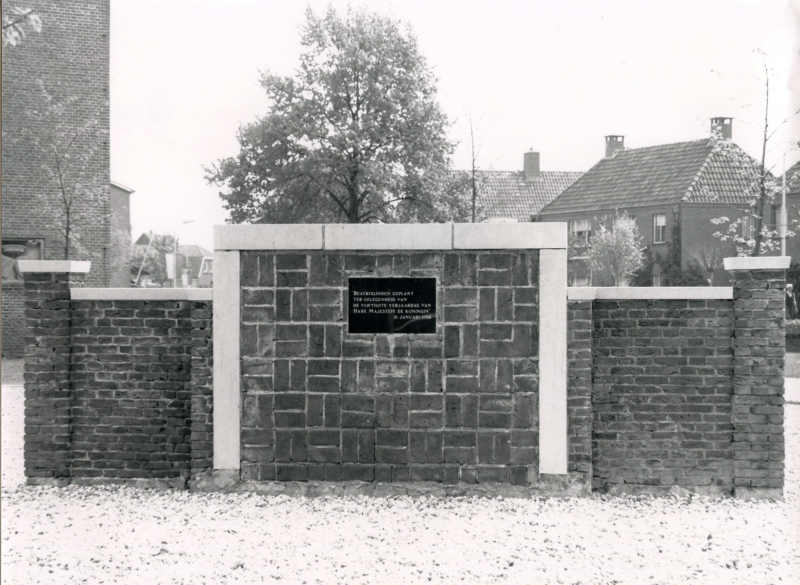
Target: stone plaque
x: 391, y: 305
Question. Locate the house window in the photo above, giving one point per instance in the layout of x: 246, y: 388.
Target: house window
x: 207, y: 267
x: 776, y: 218
x: 625, y: 221
x: 659, y: 228
x: 749, y: 227
x: 580, y: 229
x: 578, y: 280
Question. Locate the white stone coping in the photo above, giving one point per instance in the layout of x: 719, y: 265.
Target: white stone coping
x: 501, y: 236
x: 623, y: 293
x: 34, y: 266
x: 403, y: 236
x: 391, y: 236
x: 758, y: 263
x: 141, y: 294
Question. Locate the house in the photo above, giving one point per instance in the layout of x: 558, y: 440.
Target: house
x: 70, y: 57
x: 198, y: 264
x: 672, y: 192
x: 518, y: 195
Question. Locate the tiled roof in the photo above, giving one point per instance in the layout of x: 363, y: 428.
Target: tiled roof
x: 793, y: 178
x: 508, y: 194
x: 191, y: 251
x: 657, y: 175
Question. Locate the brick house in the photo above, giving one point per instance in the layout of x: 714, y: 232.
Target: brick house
x: 70, y: 59
x: 672, y: 192
x: 517, y: 195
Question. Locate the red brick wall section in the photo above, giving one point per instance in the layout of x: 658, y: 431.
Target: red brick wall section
x: 202, y: 363
x: 579, y: 387
x: 48, y: 425
x: 662, y: 395
x: 758, y: 360
x: 131, y: 389
x: 13, y: 319
x: 70, y: 56
x: 457, y: 406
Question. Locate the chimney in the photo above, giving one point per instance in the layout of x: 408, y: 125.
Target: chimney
x: 531, y: 165
x: 723, y: 126
x: 614, y: 143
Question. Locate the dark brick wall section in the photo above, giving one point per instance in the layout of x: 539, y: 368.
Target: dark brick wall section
x: 13, y: 319
x: 662, y: 393
x: 202, y: 386
x: 579, y: 386
x: 758, y: 361
x: 48, y: 426
x: 131, y: 393
x: 460, y: 405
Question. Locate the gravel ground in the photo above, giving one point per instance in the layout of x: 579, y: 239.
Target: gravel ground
x: 122, y: 535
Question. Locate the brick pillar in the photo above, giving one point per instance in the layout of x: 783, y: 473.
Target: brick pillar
x: 47, y: 368
x: 202, y: 387
x: 758, y: 358
x: 579, y: 388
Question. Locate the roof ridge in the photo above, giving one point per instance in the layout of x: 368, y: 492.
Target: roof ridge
x: 668, y: 144
x: 696, y: 179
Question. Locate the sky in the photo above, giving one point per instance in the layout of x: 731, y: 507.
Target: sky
x: 555, y: 77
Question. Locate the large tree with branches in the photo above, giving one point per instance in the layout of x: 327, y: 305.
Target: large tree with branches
x: 355, y: 136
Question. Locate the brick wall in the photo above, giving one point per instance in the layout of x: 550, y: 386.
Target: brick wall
x: 116, y: 390
x: 70, y: 57
x: 662, y: 394
x: 13, y: 319
x: 456, y: 406
x: 758, y: 360
x: 131, y: 389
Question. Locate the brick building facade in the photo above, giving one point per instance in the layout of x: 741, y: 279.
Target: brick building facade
x: 672, y: 192
x: 69, y: 60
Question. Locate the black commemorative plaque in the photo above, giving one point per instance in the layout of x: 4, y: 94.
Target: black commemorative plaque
x: 391, y: 305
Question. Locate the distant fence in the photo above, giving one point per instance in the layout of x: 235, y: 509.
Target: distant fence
x: 660, y: 389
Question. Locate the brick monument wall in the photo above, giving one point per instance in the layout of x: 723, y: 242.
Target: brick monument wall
x: 320, y: 403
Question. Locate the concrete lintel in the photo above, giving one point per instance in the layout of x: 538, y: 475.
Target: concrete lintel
x: 646, y: 293
x: 398, y: 236
x: 553, y: 451
x: 300, y: 236
x: 141, y: 294
x: 501, y: 236
x: 758, y: 263
x: 227, y: 361
x: 39, y: 266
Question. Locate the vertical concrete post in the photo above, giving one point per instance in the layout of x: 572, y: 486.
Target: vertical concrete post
x: 48, y: 420
x: 758, y: 359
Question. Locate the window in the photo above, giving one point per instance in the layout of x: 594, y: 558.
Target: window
x: 748, y: 227
x: 581, y: 229
x: 776, y: 218
x: 624, y: 221
x: 578, y: 280
x: 659, y: 228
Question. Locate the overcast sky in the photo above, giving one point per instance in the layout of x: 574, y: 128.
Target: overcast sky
x: 552, y: 76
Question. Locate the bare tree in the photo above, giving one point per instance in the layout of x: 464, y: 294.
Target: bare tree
x: 707, y: 257
x: 69, y: 160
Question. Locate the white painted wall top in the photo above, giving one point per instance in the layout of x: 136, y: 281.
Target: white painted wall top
x: 391, y: 236
x: 33, y: 266
x: 296, y: 236
x: 646, y: 293
x: 758, y: 263
x: 501, y: 236
x: 443, y: 236
x: 141, y: 294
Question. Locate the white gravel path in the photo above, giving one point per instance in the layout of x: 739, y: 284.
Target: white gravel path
x: 113, y: 535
